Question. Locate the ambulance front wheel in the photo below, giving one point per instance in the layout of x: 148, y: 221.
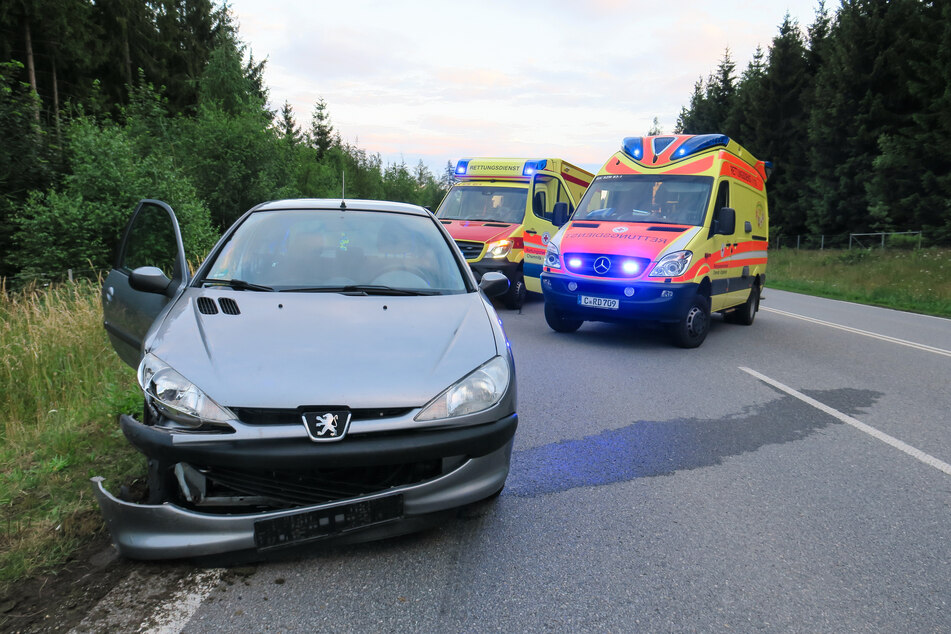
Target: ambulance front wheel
x: 515, y: 296
x: 692, y: 329
x: 558, y: 322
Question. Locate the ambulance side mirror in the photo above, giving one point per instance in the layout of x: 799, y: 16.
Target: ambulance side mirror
x: 726, y: 221
x: 559, y: 214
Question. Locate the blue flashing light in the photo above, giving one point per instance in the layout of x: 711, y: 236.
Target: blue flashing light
x: 633, y: 146
x: 630, y: 267
x: 533, y: 166
x: 699, y: 143
x: 661, y: 143
x: 461, y: 167
x: 575, y: 263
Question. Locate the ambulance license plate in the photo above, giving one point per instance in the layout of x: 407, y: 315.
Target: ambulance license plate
x: 598, y: 302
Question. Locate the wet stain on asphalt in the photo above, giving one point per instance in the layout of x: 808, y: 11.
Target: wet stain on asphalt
x: 656, y: 448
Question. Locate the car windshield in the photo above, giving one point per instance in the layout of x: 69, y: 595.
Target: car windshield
x: 660, y: 199
x: 337, y: 251
x: 484, y: 202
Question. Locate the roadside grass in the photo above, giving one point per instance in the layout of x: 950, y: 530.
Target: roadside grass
x: 915, y: 280
x: 61, y: 387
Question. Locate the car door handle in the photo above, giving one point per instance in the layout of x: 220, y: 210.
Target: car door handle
x: 530, y: 232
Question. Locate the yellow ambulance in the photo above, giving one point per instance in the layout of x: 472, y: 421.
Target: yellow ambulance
x: 499, y: 212
x: 673, y: 228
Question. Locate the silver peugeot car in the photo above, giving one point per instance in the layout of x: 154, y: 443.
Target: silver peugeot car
x: 332, y: 370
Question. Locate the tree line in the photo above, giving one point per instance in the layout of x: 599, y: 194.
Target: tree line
x: 855, y: 113
x: 104, y: 103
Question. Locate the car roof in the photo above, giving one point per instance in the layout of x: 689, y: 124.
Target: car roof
x: 338, y: 203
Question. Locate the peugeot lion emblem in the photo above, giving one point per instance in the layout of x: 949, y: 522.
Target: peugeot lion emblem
x: 602, y: 265
x: 324, y: 426
x: 327, y: 423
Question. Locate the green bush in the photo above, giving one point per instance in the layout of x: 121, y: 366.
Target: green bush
x: 79, y: 225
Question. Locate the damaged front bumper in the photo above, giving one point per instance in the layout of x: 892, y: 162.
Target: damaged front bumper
x: 164, y: 531
x: 475, y: 463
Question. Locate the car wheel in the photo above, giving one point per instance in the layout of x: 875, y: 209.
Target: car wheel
x: 693, y: 327
x: 558, y: 322
x: 515, y: 296
x: 746, y: 313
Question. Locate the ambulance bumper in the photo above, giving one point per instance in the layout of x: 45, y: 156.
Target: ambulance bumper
x: 636, y: 301
x: 505, y: 267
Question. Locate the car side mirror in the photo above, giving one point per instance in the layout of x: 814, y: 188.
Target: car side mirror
x: 726, y: 221
x: 559, y: 214
x: 494, y: 284
x: 149, y: 279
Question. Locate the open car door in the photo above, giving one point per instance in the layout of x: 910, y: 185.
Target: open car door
x: 149, y: 270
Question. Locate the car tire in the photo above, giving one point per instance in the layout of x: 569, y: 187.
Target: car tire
x: 693, y: 327
x: 745, y: 314
x: 515, y: 297
x: 558, y: 322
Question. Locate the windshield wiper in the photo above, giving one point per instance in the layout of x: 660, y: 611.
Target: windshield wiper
x: 359, y: 289
x: 238, y: 285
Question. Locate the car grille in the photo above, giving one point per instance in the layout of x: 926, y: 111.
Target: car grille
x: 262, y: 416
x: 290, y: 489
x: 470, y: 250
x: 587, y: 262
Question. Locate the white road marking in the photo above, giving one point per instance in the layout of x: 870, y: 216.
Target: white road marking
x: 171, y: 598
x: 866, y: 333
x: 172, y: 617
x: 845, y: 418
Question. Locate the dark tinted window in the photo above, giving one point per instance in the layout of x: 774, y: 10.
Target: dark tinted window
x: 151, y: 241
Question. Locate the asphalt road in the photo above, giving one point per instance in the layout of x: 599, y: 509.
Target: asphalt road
x: 788, y: 476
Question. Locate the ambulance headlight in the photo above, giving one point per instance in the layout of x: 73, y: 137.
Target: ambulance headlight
x: 499, y: 248
x: 552, y: 256
x: 672, y: 265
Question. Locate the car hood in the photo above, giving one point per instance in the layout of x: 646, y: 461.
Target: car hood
x: 478, y: 230
x: 625, y: 238
x: 284, y: 350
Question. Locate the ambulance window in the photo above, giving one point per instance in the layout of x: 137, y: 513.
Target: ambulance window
x: 723, y: 196
x: 548, y: 191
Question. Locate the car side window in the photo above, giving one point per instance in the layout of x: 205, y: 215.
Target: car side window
x: 151, y: 241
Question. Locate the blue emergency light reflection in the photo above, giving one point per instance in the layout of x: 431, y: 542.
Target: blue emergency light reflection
x: 574, y: 263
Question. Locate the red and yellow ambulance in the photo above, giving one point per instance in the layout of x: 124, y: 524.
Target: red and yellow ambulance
x: 673, y: 227
x: 500, y: 210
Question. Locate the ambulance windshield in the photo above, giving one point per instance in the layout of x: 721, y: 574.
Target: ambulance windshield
x: 485, y: 203
x: 655, y: 199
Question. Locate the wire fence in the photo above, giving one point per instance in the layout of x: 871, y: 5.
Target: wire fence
x: 877, y: 240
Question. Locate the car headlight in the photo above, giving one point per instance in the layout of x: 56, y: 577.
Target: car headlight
x: 499, y: 248
x: 178, y: 398
x: 552, y: 256
x: 478, y: 391
x: 672, y: 265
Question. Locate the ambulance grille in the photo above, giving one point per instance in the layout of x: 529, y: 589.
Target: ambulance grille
x: 585, y: 264
x: 470, y: 250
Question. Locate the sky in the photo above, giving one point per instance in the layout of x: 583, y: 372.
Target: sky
x: 439, y: 81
